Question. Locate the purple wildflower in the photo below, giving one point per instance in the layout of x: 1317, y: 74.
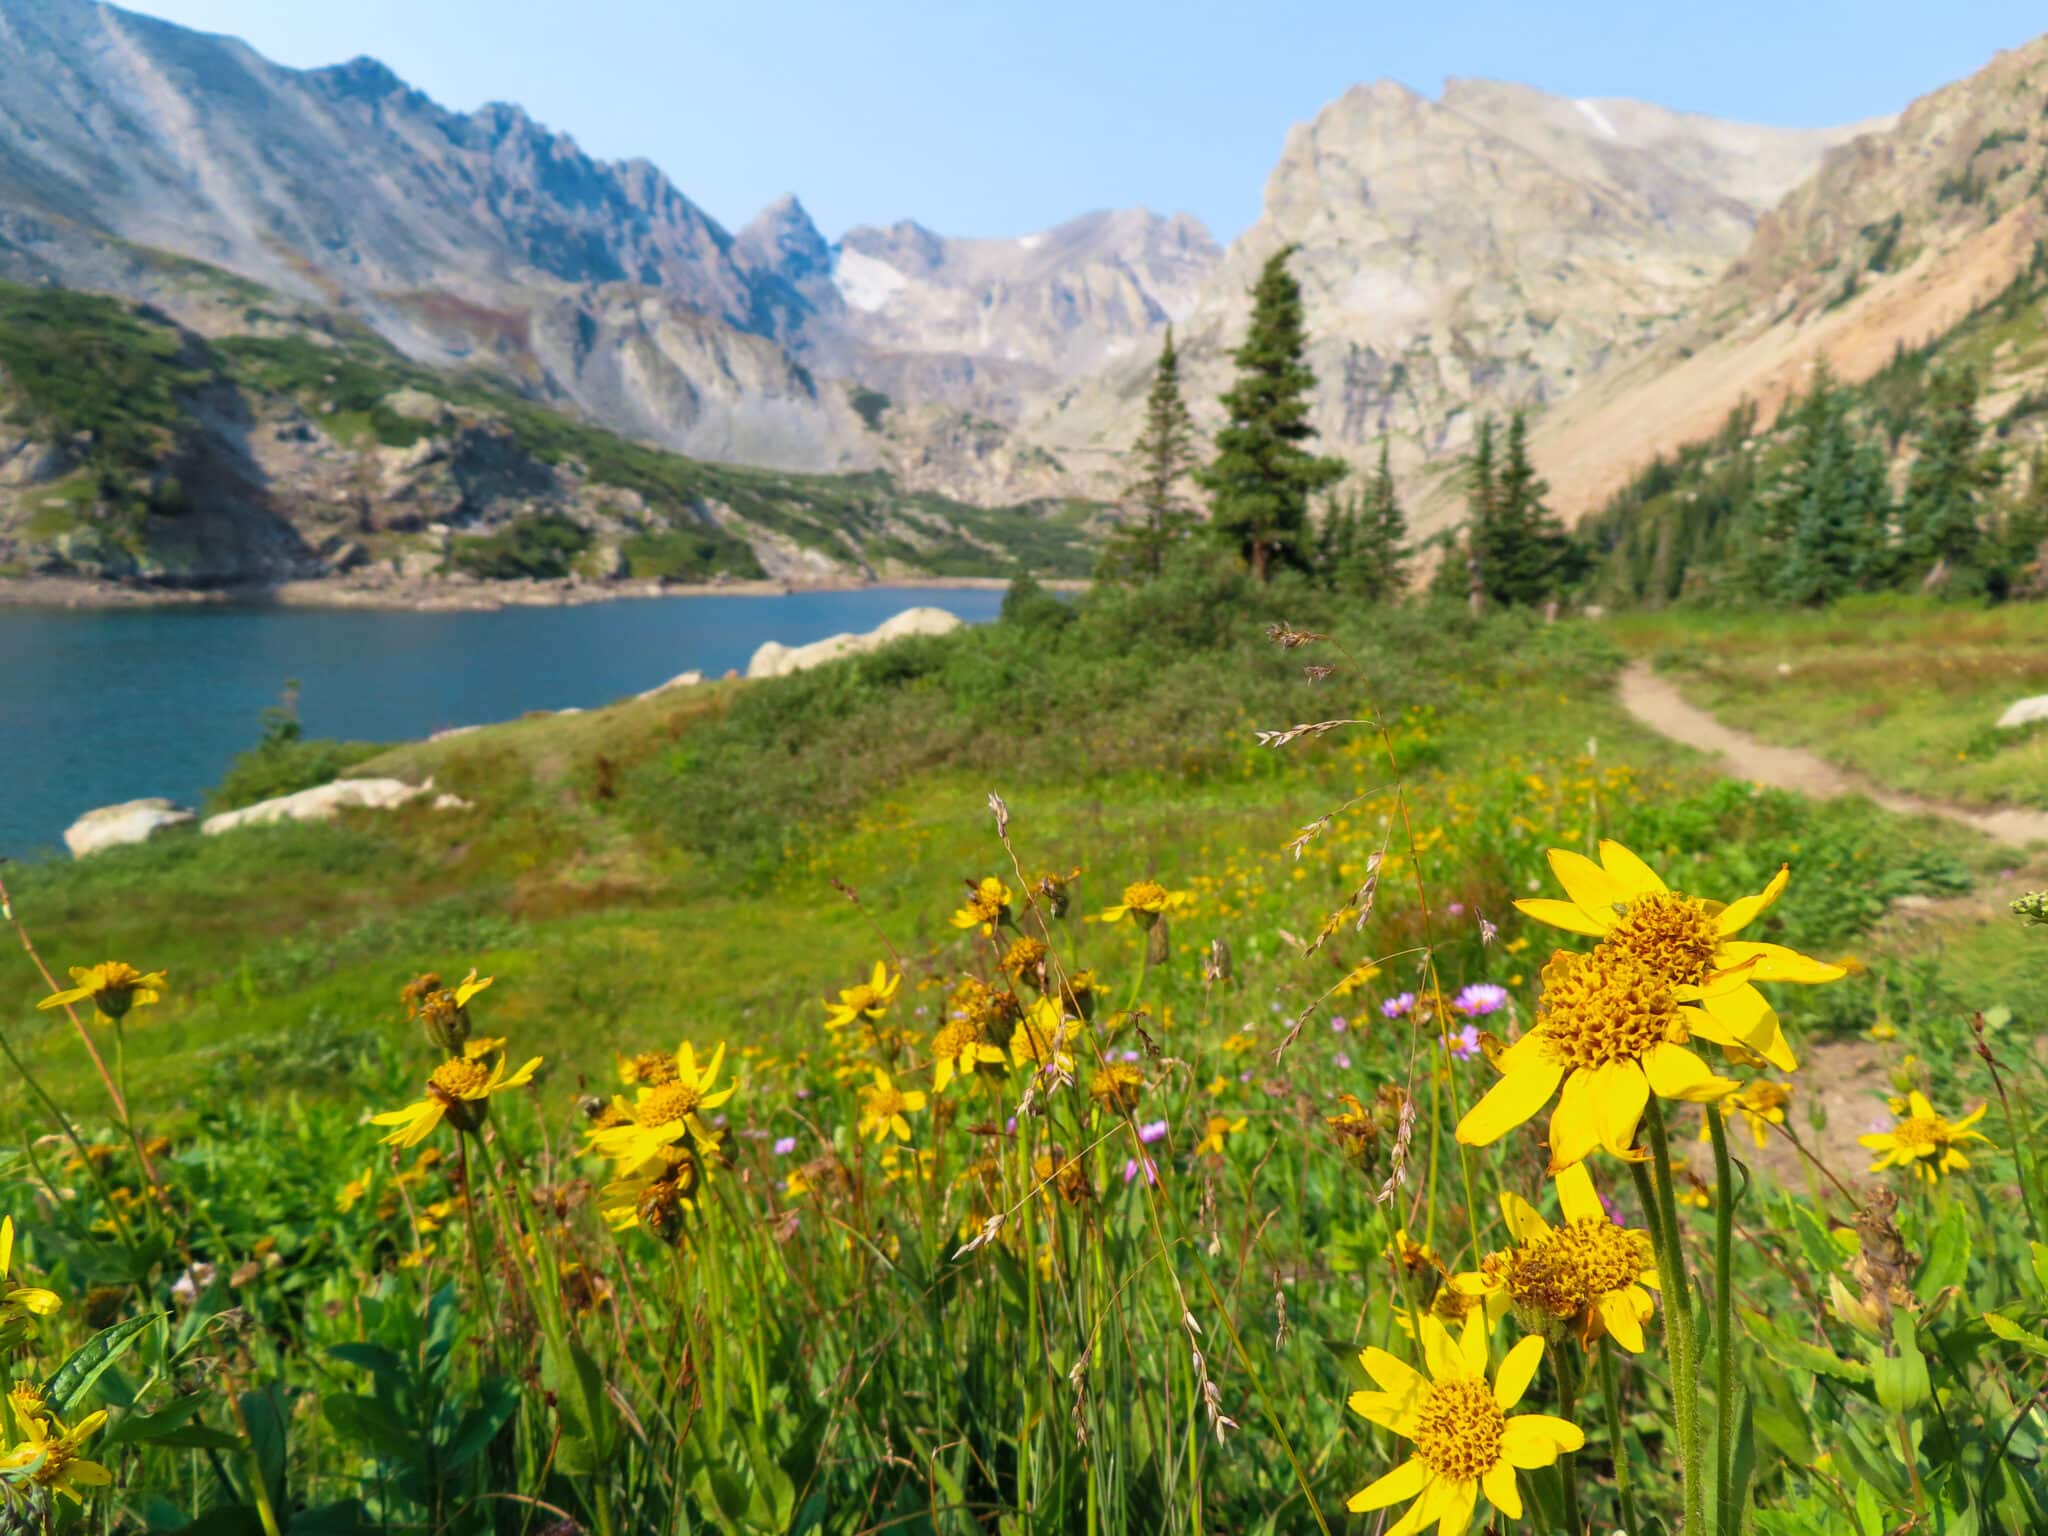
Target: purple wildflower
x: 1339, y: 1024
x: 1398, y: 1007
x: 784, y: 1145
x: 1131, y: 1166
x: 1152, y: 1131
x: 1480, y: 999
x: 1464, y: 1045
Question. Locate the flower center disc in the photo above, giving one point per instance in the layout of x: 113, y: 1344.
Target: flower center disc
x: 1458, y: 1429
x: 1606, y: 1006
x: 1670, y: 934
x: 668, y: 1103
x: 459, y: 1079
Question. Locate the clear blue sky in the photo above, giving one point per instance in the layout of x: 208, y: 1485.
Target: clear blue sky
x: 997, y: 119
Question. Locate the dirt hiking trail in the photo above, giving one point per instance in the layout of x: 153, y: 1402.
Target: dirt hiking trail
x: 1659, y: 705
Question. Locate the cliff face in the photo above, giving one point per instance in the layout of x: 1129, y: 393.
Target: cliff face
x: 1491, y: 249
x: 1897, y: 235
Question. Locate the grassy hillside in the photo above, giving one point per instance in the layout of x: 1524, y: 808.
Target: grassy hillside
x: 123, y: 388
x: 809, y: 1324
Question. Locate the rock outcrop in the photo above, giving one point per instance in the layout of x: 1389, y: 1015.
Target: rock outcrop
x: 114, y: 826
x: 776, y: 660
x: 321, y: 803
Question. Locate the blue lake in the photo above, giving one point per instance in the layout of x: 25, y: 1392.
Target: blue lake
x: 100, y: 706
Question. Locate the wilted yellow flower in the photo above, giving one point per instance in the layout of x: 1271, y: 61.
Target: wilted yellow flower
x: 1024, y: 960
x: 664, y: 1114
x: 1145, y: 902
x: 1465, y: 1441
x: 883, y: 1106
x: 1413, y: 1257
x: 1117, y: 1086
x: 869, y: 1000
x: 112, y: 987
x: 987, y: 906
x: 1923, y: 1141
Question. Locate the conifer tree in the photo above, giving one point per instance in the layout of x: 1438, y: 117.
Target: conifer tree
x: 1941, y: 530
x: 1165, y: 455
x: 1361, y: 550
x: 1821, y: 525
x: 1262, y: 477
x: 1521, y: 546
x: 2023, y: 537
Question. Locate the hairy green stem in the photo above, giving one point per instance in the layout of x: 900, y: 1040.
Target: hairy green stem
x: 1679, y: 1336
x: 1724, y: 1325
x: 1610, y: 1395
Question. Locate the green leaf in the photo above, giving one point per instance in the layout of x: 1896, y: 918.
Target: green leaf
x: 481, y: 1423
x: 373, y: 1424
x: 1948, y: 1259
x: 2013, y: 1333
x: 1901, y: 1379
x: 74, y: 1378
x: 589, y: 1424
x: 2040, y: 1253
x: 1823, y: 1257
x: 1786, y: 1350
x: 154, y: 1426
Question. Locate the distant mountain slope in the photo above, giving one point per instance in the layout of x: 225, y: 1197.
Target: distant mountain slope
x: 134, y: 449
x: 1898, y: 236
x: 1493, y: 248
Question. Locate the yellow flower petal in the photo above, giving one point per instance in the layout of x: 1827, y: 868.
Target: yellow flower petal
x: 1738, y: 915
x: 1459, y: 1501
x: 1620, y: 1091
x: 1440, y: 1352
x: 1532, y: 1440
x: 1499, y: 1482
x: 1517, y: 1371
x: 1575, y: 1123
x: 1526, y: 1088
x: 1577, y: 1198
x: 1676, y: 1073
x: 1590, y: 887
x: 1393, y: 1375
x: 1565, y: 915
x: 1404, y: 1482
x: 1623, y: 1319
x: 1630, y: 874
x: 1524, y: 1222
x: 1422, y: 1511
x: 1774, y: 962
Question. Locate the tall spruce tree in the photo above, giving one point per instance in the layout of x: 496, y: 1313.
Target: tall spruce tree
x: 1361, y: 551
x: 1461, y: 573
x: 1821, y: 525
x: 1262, y: 477
x: 1517, y: 543
x: 1165, y: 456
x: 1941, y: 520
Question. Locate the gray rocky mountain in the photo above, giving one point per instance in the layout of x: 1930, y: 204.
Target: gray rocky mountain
x: 1489, y: 249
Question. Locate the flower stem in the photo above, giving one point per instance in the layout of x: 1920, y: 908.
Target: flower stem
x: 1568, y: 1464
x: 1679, y: 1337
x: 1610, y: 1393
x: 1724, y: 1325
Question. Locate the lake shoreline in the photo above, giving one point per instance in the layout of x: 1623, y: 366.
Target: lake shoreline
x: 455, y: 596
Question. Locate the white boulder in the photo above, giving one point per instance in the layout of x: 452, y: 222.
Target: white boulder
x: 680, y: 680
x: 777, y: 660
x: 132, y: 821
x: 319, y: 804
x: 2025, y: 711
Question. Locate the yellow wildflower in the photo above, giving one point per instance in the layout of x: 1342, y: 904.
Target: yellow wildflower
x: 1683, y: 940
x: 112, y: 987
x: 1117, y: 1086
x: 1145, y: 902
x: 664, y: 1114
x: 18, y: 1303
x: 958, y: 1050
x: 1761, y: 1105
x: 869, y: 1000
x: 1923, y: 1141
x: 459, y: 1091
x: 1465, y: 1440
x: 1591, y: 1272
x: 987, y: 906
x: 884, y: 1105
x: 53, y: 1451
x: 1041, y: 1038
x: 1219, y: 1130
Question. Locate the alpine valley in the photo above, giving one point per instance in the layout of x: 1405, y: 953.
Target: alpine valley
x: 263, y: 325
